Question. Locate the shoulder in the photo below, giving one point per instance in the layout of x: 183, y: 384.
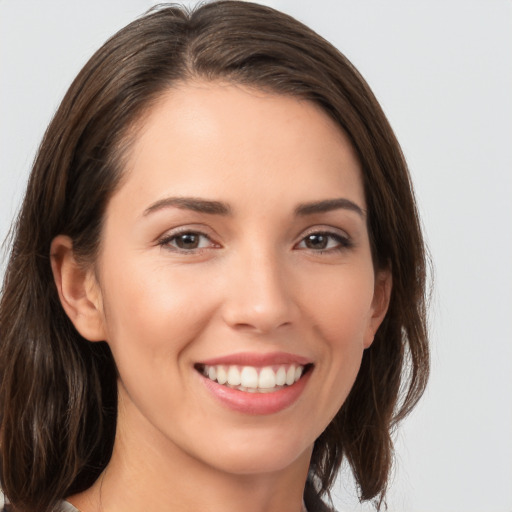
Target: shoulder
x: 63, y: 506
x: 4, y: 505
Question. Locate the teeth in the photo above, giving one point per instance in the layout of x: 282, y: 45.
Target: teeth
x: 281, y: 376
x: 252, y: 379
x: 233, y: 376
x: 222, y: 376
x: 267, y: 378
x: 290, y: 375
x: 249, y: 377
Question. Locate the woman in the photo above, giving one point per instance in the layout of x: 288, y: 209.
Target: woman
x: 216, y: 287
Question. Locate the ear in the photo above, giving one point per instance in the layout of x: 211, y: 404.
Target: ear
x: 78, y: 290
x: 380, y: 304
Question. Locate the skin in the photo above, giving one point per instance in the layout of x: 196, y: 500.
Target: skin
x: 255, y: 284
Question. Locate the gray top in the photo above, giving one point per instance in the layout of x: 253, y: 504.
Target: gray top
x: 63, y: 506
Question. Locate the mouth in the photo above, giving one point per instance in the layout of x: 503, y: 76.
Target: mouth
x: 254, y: 379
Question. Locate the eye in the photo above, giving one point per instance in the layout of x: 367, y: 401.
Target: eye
x: 187, y: 241
x: 324, y: 241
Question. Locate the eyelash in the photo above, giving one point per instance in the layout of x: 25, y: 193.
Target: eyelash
x: 167, y: 241
x: 342, y: 242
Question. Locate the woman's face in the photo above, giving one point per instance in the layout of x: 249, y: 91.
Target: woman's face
x: 237, y: 248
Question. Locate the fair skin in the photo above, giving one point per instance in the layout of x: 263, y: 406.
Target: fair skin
x: 265, y: 264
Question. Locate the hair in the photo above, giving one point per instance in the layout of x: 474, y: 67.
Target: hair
x: 58, y: 391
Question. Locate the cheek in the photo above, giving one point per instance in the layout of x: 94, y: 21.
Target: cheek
x: 341, y: 305
x: 341, y: 312
x: 152, y: 309
x: 153, y: 318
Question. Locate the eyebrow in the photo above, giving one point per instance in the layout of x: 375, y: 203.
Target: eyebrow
x: 190, y: 203
x: 328, y: 205
x: 218, y: 208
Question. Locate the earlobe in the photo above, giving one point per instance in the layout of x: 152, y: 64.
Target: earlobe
x: 78, y: 290
x: 380, y: 304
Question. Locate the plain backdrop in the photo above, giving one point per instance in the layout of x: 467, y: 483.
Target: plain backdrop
x: 442, y: 71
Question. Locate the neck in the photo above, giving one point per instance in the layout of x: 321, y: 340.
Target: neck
x: 147, y: 473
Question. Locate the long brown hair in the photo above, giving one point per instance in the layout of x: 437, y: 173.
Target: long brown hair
x: 58, y: 394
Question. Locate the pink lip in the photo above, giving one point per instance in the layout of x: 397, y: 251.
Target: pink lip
x: 257, y: 360
x: 256, y: 403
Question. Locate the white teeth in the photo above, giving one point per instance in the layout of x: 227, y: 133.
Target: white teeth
x: 290, y: 375
x: 233, y: 376
x: 249, y: 377
x: 267, y: 379
x: 253, y: 379
x: 281, y: 376
x: 222, y: 376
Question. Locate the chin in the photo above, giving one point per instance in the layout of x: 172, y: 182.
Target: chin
x: 257, y: 454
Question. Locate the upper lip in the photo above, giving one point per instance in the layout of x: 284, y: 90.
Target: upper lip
x: 257, y: 360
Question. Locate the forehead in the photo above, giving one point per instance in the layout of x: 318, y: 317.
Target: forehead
x: 221, y: 139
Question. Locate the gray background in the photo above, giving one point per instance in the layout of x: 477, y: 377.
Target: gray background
x: 443, y: 73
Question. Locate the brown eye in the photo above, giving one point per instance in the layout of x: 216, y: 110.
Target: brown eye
x: 187, y: 241
x: 316, y: 241
x: 324, y: 241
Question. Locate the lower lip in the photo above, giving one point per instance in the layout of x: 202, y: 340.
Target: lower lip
x: 257, y: 403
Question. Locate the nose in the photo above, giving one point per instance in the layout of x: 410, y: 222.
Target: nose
x: 259, y: 294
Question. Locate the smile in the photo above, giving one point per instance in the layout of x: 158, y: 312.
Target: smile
x: 256, y: 384
x: 253, y: 379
